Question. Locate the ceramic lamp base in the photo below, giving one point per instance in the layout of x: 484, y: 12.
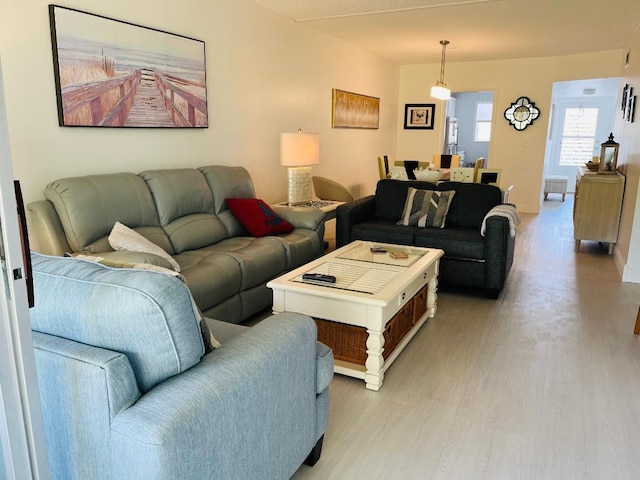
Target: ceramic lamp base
x: 299, y: 185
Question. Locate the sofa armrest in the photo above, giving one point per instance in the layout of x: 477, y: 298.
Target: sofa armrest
x: 301, y: 217
x: 48, y: 229
x: 350, y: 214
x: 247, y: 410
x: 500, y: 246
x: 82, y: 388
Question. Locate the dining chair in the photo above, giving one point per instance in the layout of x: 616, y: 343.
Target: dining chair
x: 478, y: 165
x: 446, y: 161
x: 383, y: 166
x: 461, y: 174
x: 489, y: 176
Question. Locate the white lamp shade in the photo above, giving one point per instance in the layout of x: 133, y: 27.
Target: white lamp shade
x: 299, y: 149
x: 440, y: 92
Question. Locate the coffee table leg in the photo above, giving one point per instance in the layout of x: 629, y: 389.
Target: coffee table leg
x: 432, y: 296
x: 374, y: 374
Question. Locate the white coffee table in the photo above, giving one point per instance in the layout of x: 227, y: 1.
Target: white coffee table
x: 376, y: 300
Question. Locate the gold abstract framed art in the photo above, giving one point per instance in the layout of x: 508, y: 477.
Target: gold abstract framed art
x: 352, y: 110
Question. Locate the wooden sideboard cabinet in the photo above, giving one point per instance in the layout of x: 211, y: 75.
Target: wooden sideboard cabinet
x: 597, y: 207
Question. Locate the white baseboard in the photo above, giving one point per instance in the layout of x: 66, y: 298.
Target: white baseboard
x: 628, y: 274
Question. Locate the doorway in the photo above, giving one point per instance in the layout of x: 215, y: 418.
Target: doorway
x: 582, y: 118
x: 470, y: 115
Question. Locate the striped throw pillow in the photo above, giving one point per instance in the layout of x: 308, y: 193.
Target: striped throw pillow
x: 426, y: 208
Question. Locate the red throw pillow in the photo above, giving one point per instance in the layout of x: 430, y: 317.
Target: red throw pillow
x: 257, y: 217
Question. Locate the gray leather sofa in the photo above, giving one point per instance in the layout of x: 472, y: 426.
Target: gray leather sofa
x: 184, y: 212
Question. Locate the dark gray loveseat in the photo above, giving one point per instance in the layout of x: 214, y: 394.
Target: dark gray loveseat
x: 470, y: 259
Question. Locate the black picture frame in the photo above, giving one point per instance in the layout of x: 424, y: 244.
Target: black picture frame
x: 625, y: 96
x: 112, y: 73
x: 419, y: 116
x: 629, y: 104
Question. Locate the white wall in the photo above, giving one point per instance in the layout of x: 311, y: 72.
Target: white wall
x: 627, y: 250
x: 519, y: 154
x: 265, y: 75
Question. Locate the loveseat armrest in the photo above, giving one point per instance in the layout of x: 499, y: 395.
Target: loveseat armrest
x: 500, y: 247
x: 48, y: 229
x: 350, y: 214
x: 301, y: 217
x: 247, y: 410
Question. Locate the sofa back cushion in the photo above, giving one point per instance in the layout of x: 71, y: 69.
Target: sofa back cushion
x: 89, y: 207
x: 471, y: 202
x: 184, y: 203
x: 392, y: 194
x: 228, y: 182
x: 146, y: 315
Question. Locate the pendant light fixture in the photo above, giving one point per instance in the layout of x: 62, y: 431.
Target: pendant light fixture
x: 440, y: 90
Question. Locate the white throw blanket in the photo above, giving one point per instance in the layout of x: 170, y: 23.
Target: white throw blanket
x: 507, y: 210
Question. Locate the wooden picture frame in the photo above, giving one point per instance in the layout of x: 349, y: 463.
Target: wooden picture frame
x: 353, y: 110
x: 112, y: 73
x: 419, y: 116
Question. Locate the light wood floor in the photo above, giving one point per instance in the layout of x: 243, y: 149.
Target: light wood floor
x: 543, y: 383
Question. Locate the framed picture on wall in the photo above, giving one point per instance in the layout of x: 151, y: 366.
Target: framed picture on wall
x: 419, y: 116
x: 353, y: 110
x: 112, y: 73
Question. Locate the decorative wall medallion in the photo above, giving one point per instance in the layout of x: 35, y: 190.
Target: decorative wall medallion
x: 522, y: 113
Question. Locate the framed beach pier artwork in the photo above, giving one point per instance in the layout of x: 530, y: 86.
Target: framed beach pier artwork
x: 112, y: 73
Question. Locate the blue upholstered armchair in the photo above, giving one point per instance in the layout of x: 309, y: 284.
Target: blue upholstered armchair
x: 128, y: 393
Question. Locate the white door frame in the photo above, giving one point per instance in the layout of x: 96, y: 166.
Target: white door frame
x: 22, y: 442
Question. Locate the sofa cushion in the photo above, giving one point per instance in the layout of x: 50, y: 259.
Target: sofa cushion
x: 391, y: 195
x: 383, y: 231
x: 426, y: 208
x: 471, y: 203
x: 212, y: 276
x: 124, y: 238
x: 185, y: 208
x: 260, y: 259
x: 146, y: 315
x: 228, y: 182
x: 257, y: 217
x: 456, y: 242
x: 89, y: 206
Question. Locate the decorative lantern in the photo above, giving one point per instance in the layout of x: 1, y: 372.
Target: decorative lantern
x: 609, y: 156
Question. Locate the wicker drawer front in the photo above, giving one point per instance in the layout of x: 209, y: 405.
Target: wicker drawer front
x: 349, y: 343
x: 419, y: 305
x: 397, y: 328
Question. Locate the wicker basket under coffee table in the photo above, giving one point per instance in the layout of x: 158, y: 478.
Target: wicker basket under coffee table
x: 373, y: 310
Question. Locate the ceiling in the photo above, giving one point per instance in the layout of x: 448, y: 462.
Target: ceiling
x: 409, y: 31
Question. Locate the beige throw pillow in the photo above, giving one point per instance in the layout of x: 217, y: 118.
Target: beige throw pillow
x: 124, y: 238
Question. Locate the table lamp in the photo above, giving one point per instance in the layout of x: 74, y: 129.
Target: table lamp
x: 297, y: 150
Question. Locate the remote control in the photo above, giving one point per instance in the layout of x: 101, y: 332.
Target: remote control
x: 376, y: 249
x: 319, y: 277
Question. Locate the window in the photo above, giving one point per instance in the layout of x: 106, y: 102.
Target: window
x: 578, y: 136
x: 483, y: 121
